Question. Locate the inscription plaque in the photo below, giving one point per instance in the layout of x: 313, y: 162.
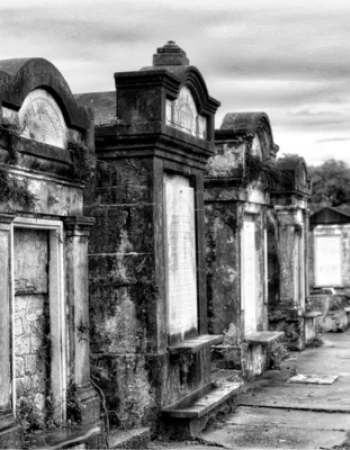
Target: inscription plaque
x: 180, y: 256
x: 328, y: 260
x: 41, y: 119
x: 249, y: 276
x: 182, y: 114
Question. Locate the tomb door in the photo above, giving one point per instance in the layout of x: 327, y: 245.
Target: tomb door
x: 328, y: 260
x: 32, y: 322
x: 181, y: 265
x: 38, y: 334
x: 249, y: 276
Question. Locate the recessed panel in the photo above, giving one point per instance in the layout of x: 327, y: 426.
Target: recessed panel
x: 181, y: 264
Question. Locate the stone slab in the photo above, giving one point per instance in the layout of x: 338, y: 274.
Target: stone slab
x: 263, y: 337
x: 262, y: 428
x: 66, y: 437
x: 196, y: 344
x: 302, y: 403
x: 206, y: 403
x: 181, y: 266
x: 313, y: 379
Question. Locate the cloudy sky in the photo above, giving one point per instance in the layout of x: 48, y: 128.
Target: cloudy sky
x: 289, y: 58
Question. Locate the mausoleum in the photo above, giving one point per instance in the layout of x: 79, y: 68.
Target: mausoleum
x: 238, y: 181
x: 329, y: 265
x: 46, y: 140
x: 288, y: 306
x: 329, y: 243
x: 148, y: 301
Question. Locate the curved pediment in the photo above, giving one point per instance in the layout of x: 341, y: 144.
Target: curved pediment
x: 191, y: 78
x: 19, y: 77
x: 41, y: 119
x: 182, y: 114
x: 294, y: 173
x: 253, y: 125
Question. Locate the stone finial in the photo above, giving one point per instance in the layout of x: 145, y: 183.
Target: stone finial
x: 170, y: 55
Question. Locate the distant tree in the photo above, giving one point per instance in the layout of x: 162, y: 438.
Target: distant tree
x: 330, y: 183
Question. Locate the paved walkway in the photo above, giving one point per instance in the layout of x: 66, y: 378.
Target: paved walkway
x: 277, y: 414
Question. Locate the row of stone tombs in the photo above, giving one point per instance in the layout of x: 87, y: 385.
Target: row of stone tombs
x: 147, y: 245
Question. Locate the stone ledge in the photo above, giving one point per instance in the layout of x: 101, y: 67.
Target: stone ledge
x: 204, y: 404
x: 196, y: 344
x: 263, y: 337
x: 313, y: 314
x: 66, y: 437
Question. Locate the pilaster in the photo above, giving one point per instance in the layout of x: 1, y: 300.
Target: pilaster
x: 77, y: 230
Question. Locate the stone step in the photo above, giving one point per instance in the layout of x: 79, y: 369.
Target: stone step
x: 136, y: 438
x: 186, y: 419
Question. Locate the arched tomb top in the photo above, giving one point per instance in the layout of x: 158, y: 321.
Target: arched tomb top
x: 253, y: 125
x: 19, y: 77
x: 294, y: 173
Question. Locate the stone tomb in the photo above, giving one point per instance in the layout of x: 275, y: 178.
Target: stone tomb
x: 329, y: 264
x: 237, y: 219
x: 288, y: 308
x: 329, y: 260
x: 151, y: 348
x: 44, y: 355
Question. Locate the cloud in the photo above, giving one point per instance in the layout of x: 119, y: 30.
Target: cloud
x: 289, y: 59
x: 334, y: 139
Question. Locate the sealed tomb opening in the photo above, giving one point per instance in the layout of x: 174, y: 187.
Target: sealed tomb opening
x: 181, y: 265
x: 38, y: 332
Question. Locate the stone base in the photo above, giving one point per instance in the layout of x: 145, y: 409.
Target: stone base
x: 225, y: 356
x: 137, y: 438
x: 259, y: 351
x: 89, y: 402
x: 186, y: 419
x: 310, y: 326
x: 292, y: 323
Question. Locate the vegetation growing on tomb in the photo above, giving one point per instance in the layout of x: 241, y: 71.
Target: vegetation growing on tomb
x: 12, y: 189
x: 258, y: 169
x: 83, y: 161
x: 74, y: 413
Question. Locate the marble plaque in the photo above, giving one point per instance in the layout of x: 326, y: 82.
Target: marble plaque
x: 180, y: 256
x: 41, y: 119
x: 328, y: 260
x: 249, y: 277
x: 182, y: 114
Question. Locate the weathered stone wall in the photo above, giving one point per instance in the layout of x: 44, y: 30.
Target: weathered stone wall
x: 129, y: 356
x: 122, y: 289
x: 223, y: 275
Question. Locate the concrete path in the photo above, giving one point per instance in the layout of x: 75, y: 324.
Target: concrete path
x: 277, y: 414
